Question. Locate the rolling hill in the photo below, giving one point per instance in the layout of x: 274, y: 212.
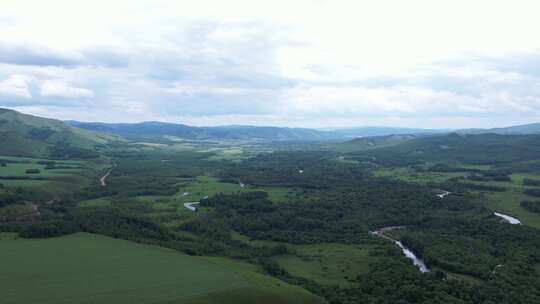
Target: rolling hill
x: 119, y: 271
x: 159, y: 129
x: 32, y: 136
x: 374, y: 142
x: 467, y: 148
x: 533, y: 128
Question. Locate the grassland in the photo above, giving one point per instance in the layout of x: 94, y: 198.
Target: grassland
x: 208, y: 186
x: 98, y: 202
x: 262, y: 289
x: 86, y: 268
x: 508, y: 202
x: 66, y: 176
x: 327, y: 264
x: 408, y: 174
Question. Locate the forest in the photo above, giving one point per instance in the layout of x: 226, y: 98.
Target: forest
x: 324, y: 202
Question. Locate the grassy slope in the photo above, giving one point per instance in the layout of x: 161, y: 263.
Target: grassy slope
x: 329, y: 264
x: 86, y: 268
x: 16, y: 138
x: 263, y: 289
x: 373, y: 142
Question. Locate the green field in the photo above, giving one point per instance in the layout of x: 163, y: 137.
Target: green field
x: 208, y: 186
x: 67, y: 176
x: 410, y: 175
x: 329, y: 264
x: 98, y: 202
x: 86, y: 268
x: 509, y: 203
x: 19, y: 169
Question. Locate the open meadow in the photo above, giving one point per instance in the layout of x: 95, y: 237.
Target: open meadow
x: 86, y: 268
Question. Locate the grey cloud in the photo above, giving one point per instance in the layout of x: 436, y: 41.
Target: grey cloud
x: 38, y: 56
x: 520, y: 62
x: 25, y: 55
x: 107, y: 58
x: 221, y: 54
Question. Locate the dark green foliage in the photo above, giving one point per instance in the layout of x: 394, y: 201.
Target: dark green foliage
x: 532, y: 206
x: 498, y: 176
x: 32, y: 171
x: 532, y: 192
x: 272, y: 268
x: 283, y: 169
x: 475, y: 149
x: 7, y: 198
x: 65, y: 151
x: 49, y: 229
x: 531, y: 182
x: 46, y: 162
x: 19, y: 177
x: 40, y: 133
x: 481, y: 187
x: 18, y: 195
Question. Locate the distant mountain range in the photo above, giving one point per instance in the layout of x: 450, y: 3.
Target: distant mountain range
x: 533, y: 128
x: 160, y: 129
x: 22, y: 134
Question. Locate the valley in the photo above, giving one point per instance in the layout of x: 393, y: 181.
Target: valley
x: 251, y: 221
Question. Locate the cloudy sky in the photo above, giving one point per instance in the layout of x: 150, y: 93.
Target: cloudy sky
x: 436, y: 64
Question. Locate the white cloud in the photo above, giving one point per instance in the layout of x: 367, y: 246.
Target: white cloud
x: 16, y: 86
x: 57, y: 88
x: 193, y: 90
x: 335, y: 102
x: 317, y: 63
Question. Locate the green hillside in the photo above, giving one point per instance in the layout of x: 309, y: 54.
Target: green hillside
x: 477, y: 149
x: 87, y: 268
x: 374, y: 142
x: 31, y: 136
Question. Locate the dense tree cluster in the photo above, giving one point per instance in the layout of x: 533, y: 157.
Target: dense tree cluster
x: 66, y: 151
x: 532, y: 206
x: 531, y: 182
x: 532, y: 192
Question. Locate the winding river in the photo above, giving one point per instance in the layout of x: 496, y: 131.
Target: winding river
x: 508, y: 218
x: 102, y: 180
x: 191, y: 206
x: 443, y: 193
x: 418, y: 262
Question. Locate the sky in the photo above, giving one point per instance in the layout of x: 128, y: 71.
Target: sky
x: 317, y: 64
